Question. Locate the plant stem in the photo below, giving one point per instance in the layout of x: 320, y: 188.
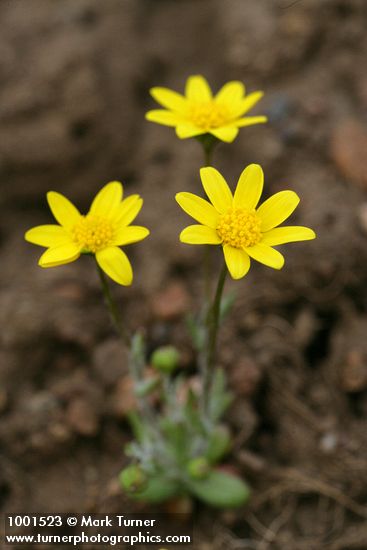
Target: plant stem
x: 136, y: 360
x: 213, y: 318
x: 113, y: 309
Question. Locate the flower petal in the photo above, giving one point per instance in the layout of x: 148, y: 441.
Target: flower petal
x: 59, y: 255
x: 231, y: 93
x: 47, y: 235
x: 130, y: 234
x: 169, y: 99
x: 107, y: 201
x: 63, y: 210
x: 287, y: 234
x: 250, y: 121
x: 128, y: 209
x: 167, y: 118
x: 198, y: 89
x: 249, y: 187
x: 225, y: 133
x: 247, y: 103
x: 199, y: 234
x: 186, y: 130
x: 277, y: 208
x: 198, y: 208
x: 266, y: 255
x: 216, y: 188
x: 114, y: 262
x: 238, y: 262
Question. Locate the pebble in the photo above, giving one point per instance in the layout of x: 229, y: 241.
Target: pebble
x: 246, y: 377
x: 348, y: 150
x: 171, y: 302
x: 123, y: 400
x: 354, y: 372
x: 81, y: 417
x: 110, y: 361
x: 328, y: 442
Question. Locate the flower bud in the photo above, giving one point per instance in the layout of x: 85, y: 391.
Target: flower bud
x: 133, y: 479
x: 198, y: 468
x: 165, y: 359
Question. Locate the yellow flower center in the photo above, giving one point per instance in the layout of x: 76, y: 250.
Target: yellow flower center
x: 208, y: 114
x: 240, y: 228
x: 93, y: 233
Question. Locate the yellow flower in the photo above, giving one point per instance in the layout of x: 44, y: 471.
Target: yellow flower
x: 198, y: 112
x: 234, y: 222
x: 100, y: 232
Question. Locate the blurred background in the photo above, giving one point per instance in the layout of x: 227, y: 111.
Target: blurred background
x: 75, y: 79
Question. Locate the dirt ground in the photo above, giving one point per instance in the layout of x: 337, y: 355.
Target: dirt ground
x: 74, y: 87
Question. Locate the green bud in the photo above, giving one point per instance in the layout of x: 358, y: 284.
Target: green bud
x: 198, y: 468
x: 133, y: 479
x: 165, y: 359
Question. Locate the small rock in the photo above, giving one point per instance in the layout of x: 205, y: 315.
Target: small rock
x: 81, y: 417
x: 245, y: 377
x: 171, y: 302
x: 354, y: 372
x: 328, y: 443
x: 41, y: 405
x: 348, y: 151
x: 110, y: 361
x: 305, y: 326
x: 60, y: 433
x: 123, y: 399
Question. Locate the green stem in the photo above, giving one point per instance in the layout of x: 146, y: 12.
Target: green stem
x: 213, y: 319
x: 113, y: 309
x: 208, y: 154
x: 136, y: 360
x: 208, y: 142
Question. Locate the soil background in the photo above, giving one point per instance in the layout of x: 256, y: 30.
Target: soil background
x: 75, y: 79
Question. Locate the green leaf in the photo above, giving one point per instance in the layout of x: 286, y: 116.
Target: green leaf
x: 147, y: 386
x: 158, y: 490
x: 220, y: 489
x: 176, y: 436
x: 137, y: 352
x: 196, y: 331
x: 220, y: 398
x: 137, y: 426
x: 219, y: 444
x: 226, y: 304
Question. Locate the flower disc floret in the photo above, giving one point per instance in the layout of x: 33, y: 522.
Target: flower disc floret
x: 208, y: 115
x: 239, y: 228
x: 93, y: 233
